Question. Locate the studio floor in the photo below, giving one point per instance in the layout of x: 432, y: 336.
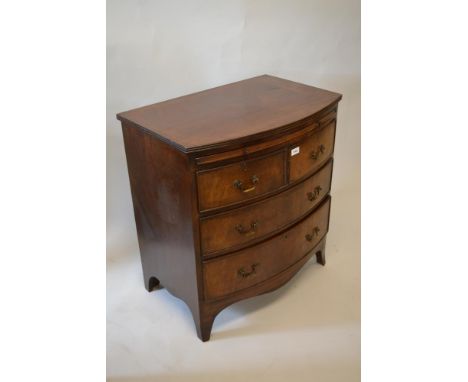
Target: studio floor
x: 308, y: 330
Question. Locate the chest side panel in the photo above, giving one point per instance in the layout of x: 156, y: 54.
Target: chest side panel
x: 162, y: 187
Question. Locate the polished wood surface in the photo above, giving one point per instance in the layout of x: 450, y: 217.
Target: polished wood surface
x: 314, y: 151
x: 210, y: 309
x: 226, y: 206
x: 227, y: 113
x: 239, y: 270
x: 253, y: 222
x: 163, y: 205
x: 241, y: 181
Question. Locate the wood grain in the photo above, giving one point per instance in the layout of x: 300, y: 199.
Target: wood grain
x: 230, y: 112
x: 314, y: 151
x: 220, y: 232
x: 217, y: 187
x: 222, y: 275
x: 204, y: 167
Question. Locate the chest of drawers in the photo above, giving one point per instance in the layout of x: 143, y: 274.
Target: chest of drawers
x: 230, y: 189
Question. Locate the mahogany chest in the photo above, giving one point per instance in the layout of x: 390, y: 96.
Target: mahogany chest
x: 230, y: 189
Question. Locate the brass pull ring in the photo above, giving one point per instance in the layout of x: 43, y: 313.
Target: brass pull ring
x: 243, y: 273
x: 317, y: 153
x: 314, y: 195
x: 247, y: 232
x: 315, y: 232
x: 242, y: 187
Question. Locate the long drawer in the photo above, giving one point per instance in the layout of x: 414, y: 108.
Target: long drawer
x: 250, y: 223
x: 230, y: 273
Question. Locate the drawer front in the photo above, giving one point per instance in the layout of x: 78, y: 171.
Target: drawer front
x: 248, y: 223
x: 313, y: 151
x: 240, y: 181
x: 234, y: 272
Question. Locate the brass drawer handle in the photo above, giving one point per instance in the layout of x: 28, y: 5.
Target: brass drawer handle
x: 315, y: 232
x: 248, y: 232
x: 316, y: 154
x: 238, y: 184
x: 314, y: 195
x: 243, y: 273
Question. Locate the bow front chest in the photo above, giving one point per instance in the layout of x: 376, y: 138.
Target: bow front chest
x: 230, y: 189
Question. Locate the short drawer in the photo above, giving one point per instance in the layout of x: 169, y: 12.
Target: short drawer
x: 230, y: 273
x: 240, y: 181
x: 245, y: 224
x: 310, y: 153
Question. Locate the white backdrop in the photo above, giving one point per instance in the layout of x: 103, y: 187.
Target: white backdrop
x: 158, y: 50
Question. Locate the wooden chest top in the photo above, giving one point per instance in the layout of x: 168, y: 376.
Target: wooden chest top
x: 225, y: 115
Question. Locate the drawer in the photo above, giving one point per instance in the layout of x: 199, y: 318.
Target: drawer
x: 234, y: 272
x: 313, y: 151
x: 238, y: 227
x: 240, y: 181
